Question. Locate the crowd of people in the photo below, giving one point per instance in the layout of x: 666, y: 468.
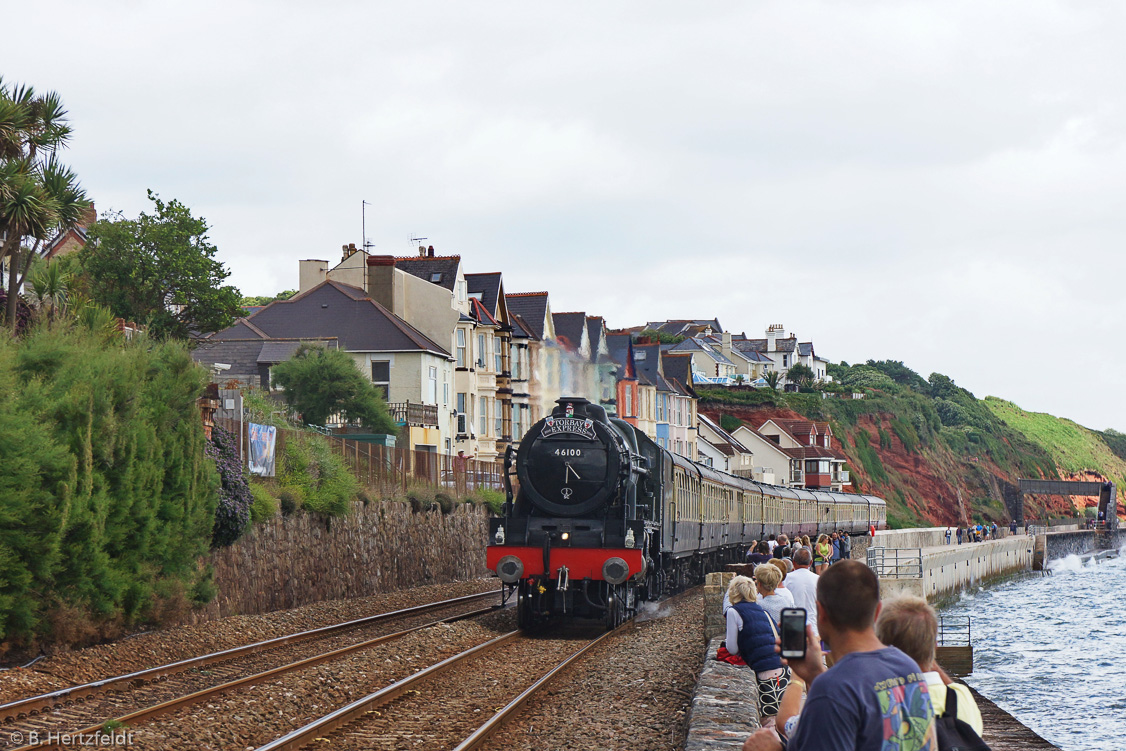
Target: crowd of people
x: 977, y: 532
x: 869, y: 677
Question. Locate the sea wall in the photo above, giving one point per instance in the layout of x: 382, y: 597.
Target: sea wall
x: 381, y: 547
x: 933, y: 572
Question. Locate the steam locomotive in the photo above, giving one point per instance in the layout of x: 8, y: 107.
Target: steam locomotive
x: 600, y: 517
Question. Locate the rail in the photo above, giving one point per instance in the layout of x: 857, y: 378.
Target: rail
x: 896, y: 563
x: 34, y: 705
x: 954, y: 631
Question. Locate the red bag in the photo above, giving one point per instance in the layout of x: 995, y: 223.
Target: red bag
x: 724, y: 656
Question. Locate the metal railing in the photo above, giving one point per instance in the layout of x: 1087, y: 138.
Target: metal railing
x: 393, y: 470
x: 1034, y: 530
x: 954, y: 631
x: 896, y: 563
x: 409, y: 413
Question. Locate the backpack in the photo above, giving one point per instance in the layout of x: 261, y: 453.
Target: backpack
x: 954, y: 734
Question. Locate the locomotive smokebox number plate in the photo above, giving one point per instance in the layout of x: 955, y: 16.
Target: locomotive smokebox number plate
x: 570, y: 425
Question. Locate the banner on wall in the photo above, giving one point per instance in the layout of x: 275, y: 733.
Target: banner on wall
x: 263, y: 440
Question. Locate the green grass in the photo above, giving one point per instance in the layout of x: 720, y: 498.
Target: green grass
x: 1073, y: 447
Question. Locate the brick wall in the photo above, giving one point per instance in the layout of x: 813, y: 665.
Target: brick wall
x: 382, y: 547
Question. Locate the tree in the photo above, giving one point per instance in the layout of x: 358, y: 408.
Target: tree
x: 800, y: 375
x: 321, y: 382
x: 248, y: 302
x: 772, y: 379
x: 39, y: 196
x: 160, y: 269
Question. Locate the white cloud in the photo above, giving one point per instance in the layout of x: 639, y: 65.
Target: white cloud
x: 937, y: 182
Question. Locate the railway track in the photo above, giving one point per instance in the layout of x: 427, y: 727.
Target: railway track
x: 457, y: 703
x: 126, y: 700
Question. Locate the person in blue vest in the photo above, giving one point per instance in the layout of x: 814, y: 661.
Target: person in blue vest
x: 751, y: 635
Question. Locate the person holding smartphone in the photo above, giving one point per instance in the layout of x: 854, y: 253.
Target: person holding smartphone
x: 874, y: 696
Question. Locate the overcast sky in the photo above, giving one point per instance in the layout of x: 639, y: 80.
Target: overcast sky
x: 941, y: 183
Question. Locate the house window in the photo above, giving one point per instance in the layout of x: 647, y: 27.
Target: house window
x: 381, y: 376
x: 483, y: 415
x: 785, y: 361
x: 433, y: 386
x: 448, y: 449
x: 497, y: 351
x: 462, y: 420
x: 436, y: 277
x: 461, y: 287
x: 445, y: 393
x: 498, y: 417
x: 461, y: 348
x: 481, y: 350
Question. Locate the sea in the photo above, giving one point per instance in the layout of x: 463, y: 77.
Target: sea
x: 1051, y: 650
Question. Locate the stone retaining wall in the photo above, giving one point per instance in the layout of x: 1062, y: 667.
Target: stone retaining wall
x: 724, y: 706
x: 382, y: 547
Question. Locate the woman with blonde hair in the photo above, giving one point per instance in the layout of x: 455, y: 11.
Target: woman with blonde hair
x: 822, y: 554
x: 771, y: 597
x: 750, y: 635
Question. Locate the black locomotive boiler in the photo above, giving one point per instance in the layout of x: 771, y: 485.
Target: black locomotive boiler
x: 600, y: 517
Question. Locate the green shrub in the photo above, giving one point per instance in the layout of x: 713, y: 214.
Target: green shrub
x: 265, y: 506
x: 290, y: 499
x: 729, y: 423
x: 494, y: 499
x: 106, y: 498
x: 326, y: 485
x: 445, y: 502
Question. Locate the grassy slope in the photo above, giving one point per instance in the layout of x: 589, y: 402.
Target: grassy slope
x: 1073, y: 447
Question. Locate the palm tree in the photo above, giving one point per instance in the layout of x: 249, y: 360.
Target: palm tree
x: 772, y: 379
x: 39, y: 197
x: 49, y: 283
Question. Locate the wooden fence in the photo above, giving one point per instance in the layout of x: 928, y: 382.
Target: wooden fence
x: 390, y: 471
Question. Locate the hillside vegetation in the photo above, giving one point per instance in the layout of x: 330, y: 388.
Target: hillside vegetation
x: 1072, y: 447
x: 937, y: 453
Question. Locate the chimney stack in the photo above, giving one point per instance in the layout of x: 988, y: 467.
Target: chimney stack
x: 311, y: 272
x: 421, y: 251
x: 430, y: 252
x: 382, y: 283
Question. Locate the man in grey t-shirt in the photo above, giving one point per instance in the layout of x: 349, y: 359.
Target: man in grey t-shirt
x: 874, y: 696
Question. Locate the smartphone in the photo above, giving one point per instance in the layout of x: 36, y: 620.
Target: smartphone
x: 793, y: 633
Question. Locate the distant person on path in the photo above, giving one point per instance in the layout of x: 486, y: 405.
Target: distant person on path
x: 1013, y: 527
x: 874, y: 696
x: 909, y: 623
x: 959, y: 535
x: 751, y: 635
x: 948, y: 535
x: 993, y: 531
x: 846, y: 545
x: 835, y: 541
x: 871, y: 530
